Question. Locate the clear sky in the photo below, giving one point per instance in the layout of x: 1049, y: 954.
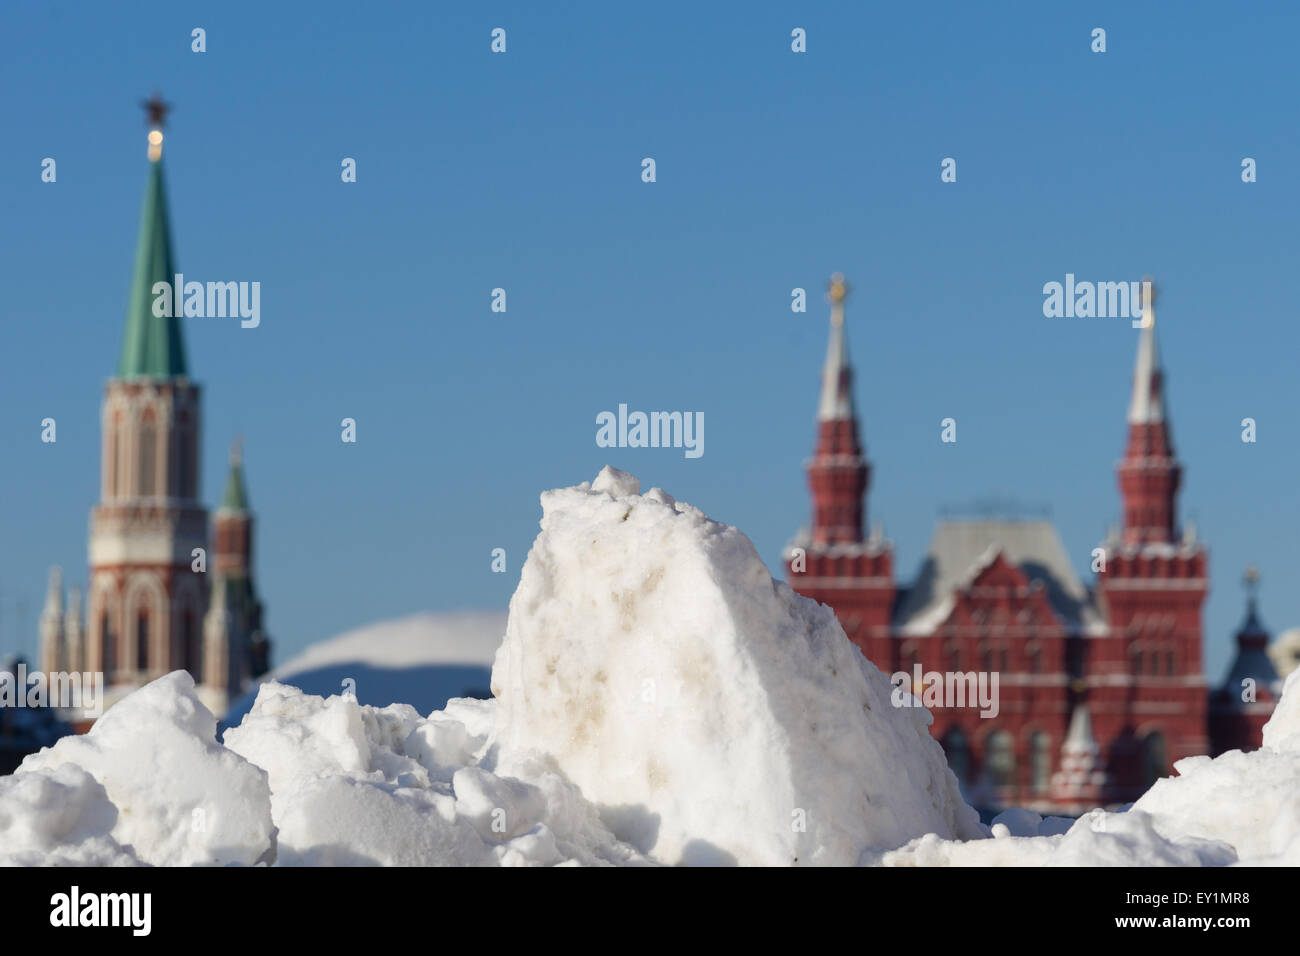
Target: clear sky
x: 523, y: 171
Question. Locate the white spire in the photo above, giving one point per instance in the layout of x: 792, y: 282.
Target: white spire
x: 72, y: 631
x: 1147, y: 406
x: 52, y: 624
x: 837, y: 397
x: 54, y: 593
x: 1079, y: 738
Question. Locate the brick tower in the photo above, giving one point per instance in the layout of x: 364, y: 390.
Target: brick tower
x: 833, y: 561
x: 1144, y: 681
x: 146, y: 604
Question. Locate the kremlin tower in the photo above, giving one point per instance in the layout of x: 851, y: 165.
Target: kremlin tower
x: 151, y: 577
x: 832, y: 561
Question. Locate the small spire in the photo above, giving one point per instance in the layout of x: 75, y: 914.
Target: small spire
x: 1147, y: 406
x: 1079, y: 738
x: 837, y: 377
x: 156, y: 111
x: 235, y: 498
x: 54, y: 593
x: 1250, y: 581
x: 153, y: 345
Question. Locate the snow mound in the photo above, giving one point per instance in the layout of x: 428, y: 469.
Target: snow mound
x: 710, y: 712
x: 1241, y: 808
x: 180, y: 797
x: 58, y: 817
x: 355, y: 785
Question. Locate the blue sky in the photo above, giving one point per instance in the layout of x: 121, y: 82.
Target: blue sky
x: 522, y: 171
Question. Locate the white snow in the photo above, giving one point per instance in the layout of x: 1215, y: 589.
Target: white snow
x: 1235, y: 808
x: 712, y: 713
x: 180, y: 798
x: 659, y: 699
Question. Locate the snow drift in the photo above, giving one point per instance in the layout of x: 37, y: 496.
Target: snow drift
x: 1234, y: 808
x: 659, y: 699
x: 713, y: 714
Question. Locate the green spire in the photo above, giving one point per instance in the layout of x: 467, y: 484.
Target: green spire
x: 235, y: 499
x: 152, y: 346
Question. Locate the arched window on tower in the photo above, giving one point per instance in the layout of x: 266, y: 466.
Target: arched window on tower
x: 148, y: 465
x: 1154, y: 758
x: 1000, y: 759
x: 957, y: 749
x: 1040, y: 760
x: 142, y: 641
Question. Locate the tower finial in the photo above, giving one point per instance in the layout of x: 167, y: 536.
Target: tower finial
x: 156, y: 110
x: 237, y: 451
x: 1251, y: 581
x: 837, y: 292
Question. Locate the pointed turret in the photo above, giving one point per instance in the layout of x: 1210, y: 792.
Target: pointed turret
x: 1149, y: 475
x: 1252, y: 668
x: 838, y: 474
x: 837, y: 375
x: 235, y: 499
x: 52, y: 649
x: 236, y: 648
x: 153, y: 346
x: 834, y: 561
x: 73, y: 632
x: 1082, y: 779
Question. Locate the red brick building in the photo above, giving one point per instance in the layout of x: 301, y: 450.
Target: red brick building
x: 1100, y: 688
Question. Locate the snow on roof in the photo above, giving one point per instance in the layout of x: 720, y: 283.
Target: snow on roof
x: 422, y: 660
x: 959, y: 550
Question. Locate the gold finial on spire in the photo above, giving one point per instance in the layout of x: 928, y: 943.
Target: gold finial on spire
x: 1251, y: 579
x: 156, y: 110
x: 837, y: 292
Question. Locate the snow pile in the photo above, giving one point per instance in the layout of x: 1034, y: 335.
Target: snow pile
x: 660, y: 699
x: 710, y: 712
x: 151, y: 775
x: 356, y: 785
x: 1234, y: 808
x: 60, y: 817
